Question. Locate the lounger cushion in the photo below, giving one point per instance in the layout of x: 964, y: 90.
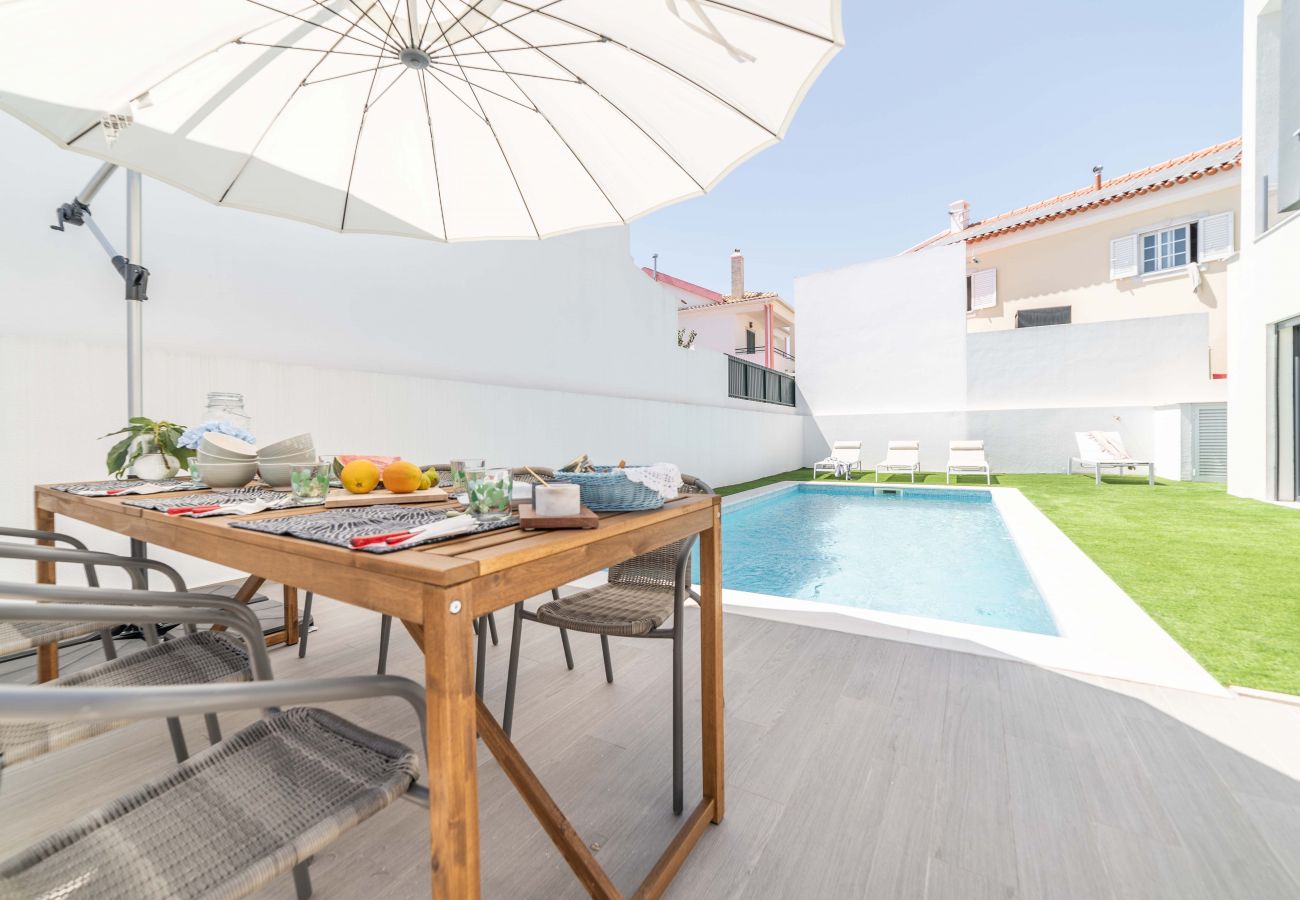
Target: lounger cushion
x: 904, y: 445
x: 966, y: 445
x: 225, y: 822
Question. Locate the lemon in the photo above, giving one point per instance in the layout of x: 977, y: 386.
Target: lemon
x: 360, y: 476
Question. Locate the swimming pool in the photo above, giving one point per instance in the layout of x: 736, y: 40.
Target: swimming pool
x: 940, y: 554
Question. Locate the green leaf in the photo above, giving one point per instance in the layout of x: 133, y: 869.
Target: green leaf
x: 116, y: 459
x: 140, y: 420
x: 132, y: 430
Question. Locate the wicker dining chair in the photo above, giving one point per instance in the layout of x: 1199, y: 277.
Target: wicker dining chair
x: 386, y: 621
x: 237, y: 815
x: 639, y: 597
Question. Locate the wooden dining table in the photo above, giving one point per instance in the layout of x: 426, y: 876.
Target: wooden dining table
x: 438, y: 591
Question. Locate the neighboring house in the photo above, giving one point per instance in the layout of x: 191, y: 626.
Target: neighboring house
x: 1155, y: 242
x: 757, y: 326
x: 1264, y: 319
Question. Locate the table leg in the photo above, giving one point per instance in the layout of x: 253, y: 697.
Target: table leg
x: 711, y: 754
x: 246, y: 592
x: 290, y: 615
x: 47, y: 655
x: 448, y: 643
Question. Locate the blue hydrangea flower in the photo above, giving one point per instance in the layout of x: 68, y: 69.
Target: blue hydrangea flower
x: 194, y: 434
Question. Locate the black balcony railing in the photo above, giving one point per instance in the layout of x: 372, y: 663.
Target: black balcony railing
x: 750, y: 381
x: 759, y: 349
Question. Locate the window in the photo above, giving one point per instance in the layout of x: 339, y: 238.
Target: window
x: 981, y: 289
x: 1169, y: 248
x: 1050, y: 315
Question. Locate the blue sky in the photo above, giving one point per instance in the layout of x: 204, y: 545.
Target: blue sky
x: 1001, y: 104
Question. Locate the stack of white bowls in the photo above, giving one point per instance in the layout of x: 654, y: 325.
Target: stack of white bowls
x: 226, y: 461
x: 275, y: 462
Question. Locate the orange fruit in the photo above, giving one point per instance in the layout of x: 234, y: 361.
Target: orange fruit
x: 360, y: 476
x: 402, y: 477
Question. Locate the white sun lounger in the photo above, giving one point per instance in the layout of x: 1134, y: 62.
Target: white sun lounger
x: 845, y: 458
x: 967, y: 458
x: 1100, y: 450
x: 901, y: 456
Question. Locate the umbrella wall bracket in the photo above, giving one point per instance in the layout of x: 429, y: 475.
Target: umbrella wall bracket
x: 135, y: 278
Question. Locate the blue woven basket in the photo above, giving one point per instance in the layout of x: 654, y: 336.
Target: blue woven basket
x: 608, y: 490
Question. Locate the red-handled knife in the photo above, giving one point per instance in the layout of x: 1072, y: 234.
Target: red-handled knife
x: 180, y: 510
x: 392, y: 537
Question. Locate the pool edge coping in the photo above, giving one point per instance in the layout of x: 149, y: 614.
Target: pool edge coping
x: 1103, y: 631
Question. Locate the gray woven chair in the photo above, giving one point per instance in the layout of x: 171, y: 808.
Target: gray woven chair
x: 92, y: 579
x: 234, y: 817
x: 386, y: 621
x: 640, y: 596
x: 197, y: 657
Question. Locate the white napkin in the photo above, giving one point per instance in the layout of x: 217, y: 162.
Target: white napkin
x: 662, y: 478
x: 441, y: 528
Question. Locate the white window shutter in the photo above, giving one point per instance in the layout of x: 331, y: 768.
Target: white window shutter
x: 1214, y: 237
x: 1124, y: 257
x: 984, y: 289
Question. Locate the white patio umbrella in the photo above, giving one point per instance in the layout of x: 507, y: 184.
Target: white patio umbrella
x: 440, y: 119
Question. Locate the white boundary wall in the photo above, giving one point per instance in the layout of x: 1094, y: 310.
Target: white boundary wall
x: 904, y: 368
x: 523, y: 352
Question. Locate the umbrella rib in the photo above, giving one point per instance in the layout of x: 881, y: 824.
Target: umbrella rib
x: 547, y: 119
x: 443, y: 31
x: 515, y: 49
x: 769, y: 20
x: 265, y: 131
x: 505, y: 158
x: 318, y: 24
x: 662, y: 65
x: 93, y: 125
x: 474, y: 112
x: 350, y: 74
x: 347, y: 195
x: 433, y: 149
x: 244, y: 43
x: 495, y: 24
x: 639, y: 127
x: 384, y: 35
x: 506, y: 72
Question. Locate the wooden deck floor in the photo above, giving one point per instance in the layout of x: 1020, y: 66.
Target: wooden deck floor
x: 856, y: 767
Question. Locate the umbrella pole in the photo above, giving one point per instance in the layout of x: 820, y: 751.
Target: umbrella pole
x: 134, y: 298
x: 135, y: 277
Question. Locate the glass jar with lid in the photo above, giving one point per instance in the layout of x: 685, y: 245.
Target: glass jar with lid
x: 224, y: 406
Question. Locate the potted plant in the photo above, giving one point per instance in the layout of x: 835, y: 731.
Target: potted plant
x: 150, y: 448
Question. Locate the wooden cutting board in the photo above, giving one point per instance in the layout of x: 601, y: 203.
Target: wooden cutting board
x: 529, y: 520
x: 340, y: 497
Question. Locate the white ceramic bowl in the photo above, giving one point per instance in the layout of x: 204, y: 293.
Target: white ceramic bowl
x: 280, y: 474
x: 300, y: 443
x: 225, y: 447
x: 227, y: 475
x: 304, y: 456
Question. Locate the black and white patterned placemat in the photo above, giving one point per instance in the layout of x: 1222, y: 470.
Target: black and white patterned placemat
x: 339, y: 526
x: 126, y: 487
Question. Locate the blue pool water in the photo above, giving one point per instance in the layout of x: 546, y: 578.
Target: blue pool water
x: 933, y: 553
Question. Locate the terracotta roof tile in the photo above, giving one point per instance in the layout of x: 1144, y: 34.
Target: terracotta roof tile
x: 1180, y: 170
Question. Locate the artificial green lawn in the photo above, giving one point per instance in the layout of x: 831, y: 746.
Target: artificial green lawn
x: 1219, y: 573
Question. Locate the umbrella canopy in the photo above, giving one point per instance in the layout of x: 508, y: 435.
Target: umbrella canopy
x: 439, y: 119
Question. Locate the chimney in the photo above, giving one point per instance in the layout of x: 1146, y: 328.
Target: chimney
x: 958, y: 216
x: 1096, y: 178
x: 737, y: 274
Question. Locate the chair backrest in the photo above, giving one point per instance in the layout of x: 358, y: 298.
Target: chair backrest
x: 1100, y: 445
x: 847, y: 451
x: 521, y: 473
x: 660, y: 567
x: 903, y: 453
x: 966, y: 453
